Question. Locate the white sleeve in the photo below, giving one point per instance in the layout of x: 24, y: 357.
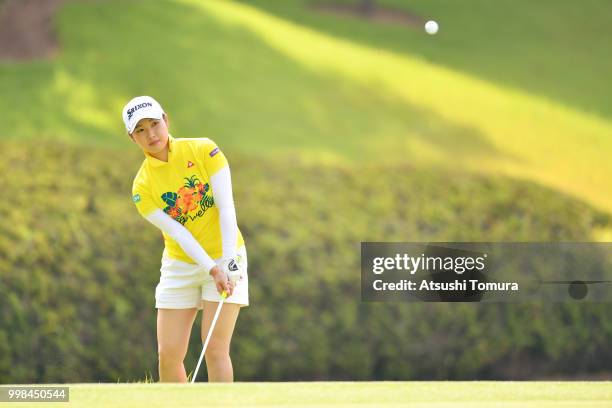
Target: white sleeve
x: 221, y: 183
x: 182, y: 236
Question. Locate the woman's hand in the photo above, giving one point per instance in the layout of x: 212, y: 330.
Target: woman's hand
x: 221, y: 281
x: 232, y: 268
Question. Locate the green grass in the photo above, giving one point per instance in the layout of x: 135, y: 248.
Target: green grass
x: 260, y: 84
x: 345, y: 394
x: 555, y: 49
x: 446, y: 118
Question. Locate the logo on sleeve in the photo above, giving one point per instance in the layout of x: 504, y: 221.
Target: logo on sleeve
x: 136, y: 198
x: 189, y: 164
x: 214, y: 151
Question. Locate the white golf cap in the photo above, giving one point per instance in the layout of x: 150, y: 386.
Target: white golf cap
x: 139, y: 108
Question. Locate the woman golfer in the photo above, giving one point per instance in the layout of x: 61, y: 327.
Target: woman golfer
x: 184, y: 188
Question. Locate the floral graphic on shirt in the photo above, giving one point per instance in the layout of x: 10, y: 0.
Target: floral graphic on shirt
x: 190, y: 201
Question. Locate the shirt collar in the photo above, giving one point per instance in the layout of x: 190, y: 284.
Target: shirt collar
x: 156, y: 162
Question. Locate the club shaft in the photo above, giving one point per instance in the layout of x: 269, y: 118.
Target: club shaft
x: 212, y: 327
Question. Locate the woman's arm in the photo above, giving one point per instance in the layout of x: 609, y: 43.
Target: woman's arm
x: 217, y: 167
x: 191, y: 247
x: 221, y: 183
x: 182, y: 236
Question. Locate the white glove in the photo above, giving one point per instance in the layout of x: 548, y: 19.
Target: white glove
x: 232, y: 267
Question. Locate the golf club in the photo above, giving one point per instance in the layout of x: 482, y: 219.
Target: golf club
x: 212, y: 327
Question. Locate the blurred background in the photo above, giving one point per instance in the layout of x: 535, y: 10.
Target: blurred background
x: 343, y: 122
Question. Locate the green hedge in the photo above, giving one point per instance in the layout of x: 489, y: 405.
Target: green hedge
x: 78, y: 269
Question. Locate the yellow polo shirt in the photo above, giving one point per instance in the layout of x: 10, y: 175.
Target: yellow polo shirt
x: 181, y: 188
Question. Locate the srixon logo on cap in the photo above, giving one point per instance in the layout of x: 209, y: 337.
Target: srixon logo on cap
x: 131, y: 111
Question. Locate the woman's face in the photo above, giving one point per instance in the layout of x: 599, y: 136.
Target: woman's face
x: 151, y: 135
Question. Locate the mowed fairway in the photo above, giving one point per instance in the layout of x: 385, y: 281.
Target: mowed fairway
x: 345, y: 394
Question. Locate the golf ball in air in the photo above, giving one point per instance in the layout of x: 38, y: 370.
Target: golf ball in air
x: 431, y: 27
